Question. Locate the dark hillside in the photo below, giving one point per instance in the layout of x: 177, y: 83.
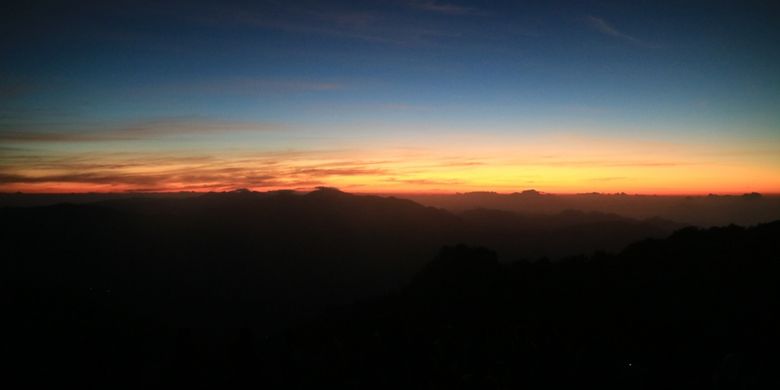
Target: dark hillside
x: 697, y: 310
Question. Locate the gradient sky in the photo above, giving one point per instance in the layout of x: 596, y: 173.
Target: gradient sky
x: 390, y: 96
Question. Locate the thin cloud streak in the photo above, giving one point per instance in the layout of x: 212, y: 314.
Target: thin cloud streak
x: 426, y: 182
x: 602, y: 26
x: 185, y: 173
x: 14, y: 90
x: 241, y: 87
x: 568, y: 167
x: 316, y: 172
x: 143, y: 130
x: 315, y: 19
x: 443, y: 8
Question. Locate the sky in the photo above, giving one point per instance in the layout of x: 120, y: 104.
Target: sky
x: 390, y: 96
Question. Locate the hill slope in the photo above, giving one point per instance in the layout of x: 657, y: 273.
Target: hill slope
x: 699, y: 309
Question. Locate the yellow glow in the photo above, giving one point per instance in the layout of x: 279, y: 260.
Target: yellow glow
x: 561, y: 164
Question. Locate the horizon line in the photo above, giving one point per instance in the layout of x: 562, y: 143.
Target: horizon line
x: 531, y: 192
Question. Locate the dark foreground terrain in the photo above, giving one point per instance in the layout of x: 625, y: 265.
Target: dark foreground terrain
x: 329, y: 288
x: 697, y: 310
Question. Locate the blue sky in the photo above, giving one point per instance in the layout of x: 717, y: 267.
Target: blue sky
x: 323, y: 74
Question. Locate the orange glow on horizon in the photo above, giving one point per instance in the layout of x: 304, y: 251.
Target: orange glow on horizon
x: 398, y: 190
x: 559, y: 165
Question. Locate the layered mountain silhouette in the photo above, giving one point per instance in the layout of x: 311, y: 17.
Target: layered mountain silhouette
x: 711, y: 210
x: 195, y: 290
x: 696, y: 310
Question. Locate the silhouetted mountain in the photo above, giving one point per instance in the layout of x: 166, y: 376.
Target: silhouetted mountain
x: 164, y: 287
x: 696, y: 310
x: 747, y: 209
x: 711, y: 210
x: 567, y: 233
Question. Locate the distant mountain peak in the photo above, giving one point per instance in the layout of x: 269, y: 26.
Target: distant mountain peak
x: 530, y: 192
x: 322, y: 190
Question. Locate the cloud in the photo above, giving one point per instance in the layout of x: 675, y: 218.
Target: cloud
x: 366, y: 27
x: 606, y: 28
x: 605, y: 179
x: 12, y: 90
x: 354, y: 171
x: 11, y: 149
x: 92, y: 178
x: 27, y: 136
x: 190, y: 178
x: 241, y: 86
x: 354, y: 21
x: 426, y: 182
x: 142, y: 130
x: 167, y: 172
x: 360, y: 163
x: 442, y: 8
x: 604, y: 163
x: 454, y: 163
